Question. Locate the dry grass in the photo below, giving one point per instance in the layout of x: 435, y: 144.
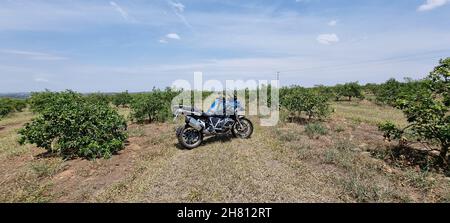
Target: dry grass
x: 367, y: 112
x: 23, y: 176
x: 225, y: 169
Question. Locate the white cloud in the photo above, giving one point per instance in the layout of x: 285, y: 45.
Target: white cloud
x: 33, y: 55
x: 121, y: 11
x: 432, y: 4
x: 327, y: 39
x: 178, y: 9
x: 163, y: 41
x: 173, y: 36
x: 178, y: 6
x: 333, y: 23
x: 41, y: 80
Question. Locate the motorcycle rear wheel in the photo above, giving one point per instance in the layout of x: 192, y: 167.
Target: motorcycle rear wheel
x: 189, y: 137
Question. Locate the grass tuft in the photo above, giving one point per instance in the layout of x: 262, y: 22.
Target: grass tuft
x: 315, y: 130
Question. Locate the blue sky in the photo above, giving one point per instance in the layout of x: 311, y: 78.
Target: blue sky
x: 101, y: 45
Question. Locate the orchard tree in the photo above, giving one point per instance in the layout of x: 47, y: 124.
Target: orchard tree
x: 5, y: 107
x: 393, y: 90
x: 427, y: 110
x: 9, y: 105
x: 19, y: 104
x: 388, y: 92
x: 98, y: 98
x: 72, y: 126
x: 39, y: 101
x: 371, y: 88
x: 310, y: 102
x: 154, y: 106
x: 324, y: 90
x: 349, y: 90
x: 122, y: 99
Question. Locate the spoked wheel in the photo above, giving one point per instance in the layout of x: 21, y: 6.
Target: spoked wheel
x: 243, y: 129
x: 189, y: 137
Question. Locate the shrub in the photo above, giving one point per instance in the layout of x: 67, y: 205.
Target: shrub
x: 19, y: 104
x: 371, y: 88
x: 349, y: 90
x: 98, y: 98
x: 39, y: 101
x: 5, y: 108
x: 8, y: 105
x: 392, y: 90
x: 72, y: 126
x: 390, y: 130
x: 325, y: 91
x: 427, y: 110
x: 122, y: 99
x: 388, y: 92
x: 300, y: 100
x: 154, y: 106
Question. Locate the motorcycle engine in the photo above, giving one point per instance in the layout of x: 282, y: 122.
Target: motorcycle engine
x: 228, y: 123
x: 221, y: 124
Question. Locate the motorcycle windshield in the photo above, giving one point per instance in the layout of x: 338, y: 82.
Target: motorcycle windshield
x: 214, y: 107
x: 217, y: 107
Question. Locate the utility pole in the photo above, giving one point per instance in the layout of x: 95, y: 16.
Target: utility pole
x: 278, y: 79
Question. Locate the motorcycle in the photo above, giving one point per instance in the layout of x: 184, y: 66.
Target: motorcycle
x: 200, y: 124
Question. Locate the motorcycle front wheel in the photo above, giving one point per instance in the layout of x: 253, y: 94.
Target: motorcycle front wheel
x: 189, y: 137
x: 243, y: 129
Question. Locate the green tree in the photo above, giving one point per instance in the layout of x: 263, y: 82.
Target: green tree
x: 389, y: 92
x: 39, y: 101
x: 349, y: 90
x: 371, y: 88
x: 9, y: 105
x: 393, y: 90
x: 122, y: 99
x: 427, y: 110
x: 154, y: 106
x: 98, y: 98
x: 5, y: 107
x: 19, y: 104
x: 310, y: 102
x: 325, y: 90
x: 73, y: 126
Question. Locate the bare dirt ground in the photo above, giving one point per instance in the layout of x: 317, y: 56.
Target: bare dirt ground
x: 278, y: 164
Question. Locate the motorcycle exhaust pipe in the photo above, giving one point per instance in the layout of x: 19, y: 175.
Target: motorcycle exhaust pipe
x: 194, y: 123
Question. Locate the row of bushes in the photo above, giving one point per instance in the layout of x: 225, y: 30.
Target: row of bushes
x: 9, y: 105
x: 384, y: 94
x: 313, y: 102
x: 155, y: 106
x: 38, y: 100
x: 392, y: 90
x: 150, y: 106
x: 425, y: 103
